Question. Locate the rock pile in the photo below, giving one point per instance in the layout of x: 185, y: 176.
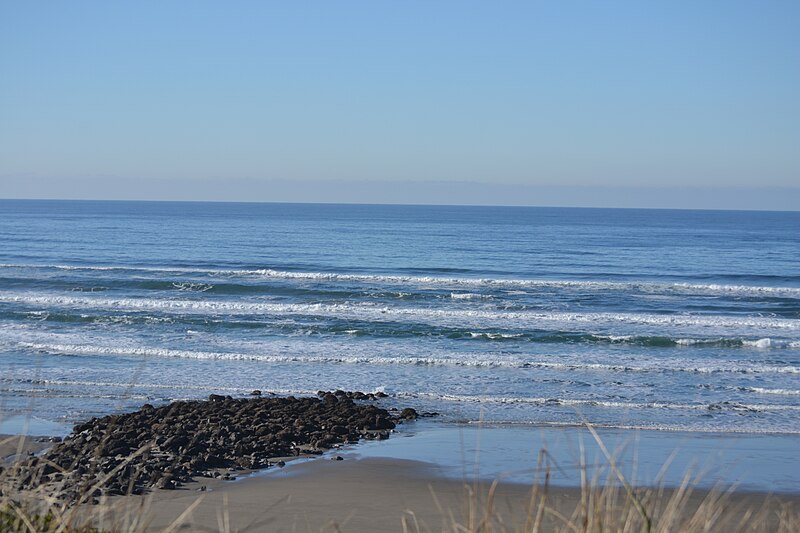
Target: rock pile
x: 167, y: 446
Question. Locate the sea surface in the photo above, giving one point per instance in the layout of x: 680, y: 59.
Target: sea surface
x: 654, y: 319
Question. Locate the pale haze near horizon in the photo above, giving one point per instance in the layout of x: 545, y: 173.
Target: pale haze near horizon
x: 619, y: 104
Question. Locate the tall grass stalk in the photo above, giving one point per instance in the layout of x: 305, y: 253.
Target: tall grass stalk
x: 616, y: 505
x: 610, y: 504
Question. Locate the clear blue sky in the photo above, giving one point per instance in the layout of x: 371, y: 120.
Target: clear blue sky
x: 572, y: 103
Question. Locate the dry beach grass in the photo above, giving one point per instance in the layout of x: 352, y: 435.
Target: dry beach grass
x: 395, y: 495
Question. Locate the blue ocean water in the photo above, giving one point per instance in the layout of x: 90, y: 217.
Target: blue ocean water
x: 669, y: 320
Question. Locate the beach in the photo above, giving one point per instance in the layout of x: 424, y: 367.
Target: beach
x: 581, y: 346
x: 365, y: 267
x: 363, y: 495
x: 370, y: 487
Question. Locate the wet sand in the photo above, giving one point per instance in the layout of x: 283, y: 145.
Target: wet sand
x: 368, y: 495
x: 15, y: 446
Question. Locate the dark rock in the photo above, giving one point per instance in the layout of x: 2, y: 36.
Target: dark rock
x: 330, y: 398
x: 383, y: 422
x: 166, y: 482
x: 409, y: 414
x: 187, y: 439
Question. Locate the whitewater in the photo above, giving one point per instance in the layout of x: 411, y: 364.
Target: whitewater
x: 651, y: 319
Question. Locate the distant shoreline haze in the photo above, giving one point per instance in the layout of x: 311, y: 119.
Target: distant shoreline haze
x: 685, y: 105
x: 404, y: 192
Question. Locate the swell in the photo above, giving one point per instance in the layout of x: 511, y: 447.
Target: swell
x: 197, y: 285
x: 65, y: 388
x: 383, y: 329
x: 203, y: 389
x: 588, y: 402
x: 462, y: 360
x: 371, y: 311
x: 652, y: 426
x: 441, y: 281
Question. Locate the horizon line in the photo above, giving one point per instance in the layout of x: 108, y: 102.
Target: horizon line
x: 396, y: 204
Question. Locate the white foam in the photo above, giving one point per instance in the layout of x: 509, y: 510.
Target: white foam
x: 779, y: 392
x: 770, y: 343
x: 326, y: 354
x: 586, y: 402
x: 712, y: 341
x: 85, y: 349
x: 645, y: 287
x: 495, y: 336
x: 145, y: 386
x: 725, y: 428
x: 192, y: 287
x: 371, y: 311
x: 616, y: 338
x: 469, y: 296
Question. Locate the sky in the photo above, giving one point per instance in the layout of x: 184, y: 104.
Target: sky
x: 613, y: 104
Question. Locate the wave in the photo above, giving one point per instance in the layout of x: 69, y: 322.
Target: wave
x: 186, y: 286
x: 52, y: 393
x: 779, y: 392
x: 588, y: 402
x: 469, y: 296
x: 763, y: 344
x: 370, y: 311
x: 462, y: 360
x: 719, y: 367
x: 392, y: 330
x: 388, y: 330
x: 533, y: 401
x: 446, y: 282
x: 147, y: 386
x: 495, y: 336
x: 654, y: 426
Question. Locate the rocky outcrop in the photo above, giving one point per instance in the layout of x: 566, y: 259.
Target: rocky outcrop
x: 165, y: 447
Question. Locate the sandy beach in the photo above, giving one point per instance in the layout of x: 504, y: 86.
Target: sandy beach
x: 366, y: 495
x: 354, y: 489
x: 418, y: 267
x: 13, y: 447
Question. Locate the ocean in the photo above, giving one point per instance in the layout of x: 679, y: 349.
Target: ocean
x: 663, y: 320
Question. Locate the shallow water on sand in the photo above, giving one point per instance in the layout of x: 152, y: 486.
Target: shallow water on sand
x: 767, y: 463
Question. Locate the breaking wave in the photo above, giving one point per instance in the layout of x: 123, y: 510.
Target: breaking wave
x: 444, y: 282
x: 369, y: 311
x: 463, y: 360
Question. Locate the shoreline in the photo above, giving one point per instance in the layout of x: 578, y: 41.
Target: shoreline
x: 365, y: 494
x: 390, y: 485
x: 753, y: 462
x: 384, y: 494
